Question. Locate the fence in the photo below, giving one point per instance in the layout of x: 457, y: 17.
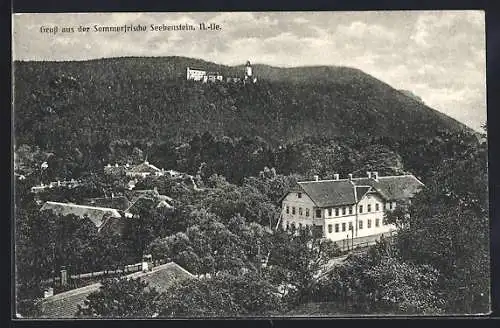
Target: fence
x: 351, y: 244
x: 130, y: 268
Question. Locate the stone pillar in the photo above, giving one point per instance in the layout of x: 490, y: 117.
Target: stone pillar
x: 64, y: 277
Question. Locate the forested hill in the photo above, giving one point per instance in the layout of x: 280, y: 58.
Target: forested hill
x: 148, y: 99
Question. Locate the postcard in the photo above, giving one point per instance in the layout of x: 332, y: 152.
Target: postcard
x: 250, y: 164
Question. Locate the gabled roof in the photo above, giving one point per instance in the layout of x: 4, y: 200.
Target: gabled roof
x: 65, y: 305
x: 394, y: 187
x: 97, y: 215
x: 149, y: 195
x: 326, y: 193
x: 361, y: 191
x: 144, y: 168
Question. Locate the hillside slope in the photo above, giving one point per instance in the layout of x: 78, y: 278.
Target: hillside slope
x: 148, y: 99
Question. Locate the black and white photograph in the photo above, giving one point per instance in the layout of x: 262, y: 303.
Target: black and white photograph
x: 306, y: 164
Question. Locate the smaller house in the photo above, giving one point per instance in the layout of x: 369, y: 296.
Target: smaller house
x: 102, y: 217
x: 143, y: 170
x: 148, y: 198
x: 214, y: 76
x: 115, y: 169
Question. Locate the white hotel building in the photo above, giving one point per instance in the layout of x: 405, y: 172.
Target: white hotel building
x: 342, y: 209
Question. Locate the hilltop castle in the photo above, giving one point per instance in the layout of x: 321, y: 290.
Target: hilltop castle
x: 196, y: 74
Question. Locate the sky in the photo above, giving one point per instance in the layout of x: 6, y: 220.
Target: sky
x: 438, y: 55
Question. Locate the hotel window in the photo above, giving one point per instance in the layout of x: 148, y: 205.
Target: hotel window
x: 336, y: 212
x: 360, y: 208
x: 376, y: 207
x: 369, y: 207
x: 360, y: 224
x: 350, y: 209
x: 287, y: 226
x: 350, y: 225
x: 318, y: 213
x: 390, y: 205
x: 287, y: 209
x: 369, y: 223
x: 336, y: 227
x: 293, y: 210
x: 299, y: 195
x: 343, y: 210
x: 300, y: 226
x: 377, y: 222
x: 307, y: 212
x: 300, y: 210
x: 329, y: 228
x: 329, y: 212
x: 343, y: 226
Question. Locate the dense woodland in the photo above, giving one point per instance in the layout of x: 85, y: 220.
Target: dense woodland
x: 80, y: 116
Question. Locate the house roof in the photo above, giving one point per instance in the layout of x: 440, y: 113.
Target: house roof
x: 118, y: 202
x: 144, y: 167
x: 97, y: 215
x: 65, y: 305
x: 327, y: 193
x: 152, y: 196
x: 394, y: 187
x: 115, y: 169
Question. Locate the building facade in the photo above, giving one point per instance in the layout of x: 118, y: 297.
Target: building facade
x: 195, y: 74
x: 342, y: 209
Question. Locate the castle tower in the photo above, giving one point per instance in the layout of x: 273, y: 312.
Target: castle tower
x: 248, y: 70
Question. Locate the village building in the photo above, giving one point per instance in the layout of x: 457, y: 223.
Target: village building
x: 55, y: 184
x: 144, y: 169
x: 104, y: 219
x: 149, y: 198
x: 213, y: 77
x: 343, y: 209
x: 65, y: 305
x: 195, y: 74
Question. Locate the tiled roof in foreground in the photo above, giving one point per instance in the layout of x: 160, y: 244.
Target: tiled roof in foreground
x: 65, y: 305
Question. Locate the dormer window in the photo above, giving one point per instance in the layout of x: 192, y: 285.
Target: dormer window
x: 299, y: 195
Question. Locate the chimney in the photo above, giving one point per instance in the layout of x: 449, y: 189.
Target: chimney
x: 350, y: 176
x: 64, y: 277
x: 336, y: 176
x: 48, y: 292
x: 375, y: 175
x: 316, y: 177
x: 369, y: 174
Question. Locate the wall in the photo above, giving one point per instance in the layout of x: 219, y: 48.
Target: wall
x: 372, y: 199
x: 292, y: 200
x: 194, y: 74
